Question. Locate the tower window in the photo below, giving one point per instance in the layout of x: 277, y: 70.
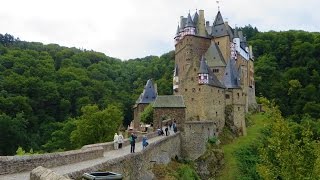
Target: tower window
x: 185, y: 90
x: 199, y: 89
x: 218, y: 91
x: 238, y: 108
x: 195, y: 69
x: 192, y: 79
x: 227, y: 96
x: 218, y: 42
x: 192, y: 99
x: 216, y: 113
x: 219, y: 102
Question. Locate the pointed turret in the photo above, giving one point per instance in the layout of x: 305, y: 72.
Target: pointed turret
x: 189, y: 27
x: 177, y: 36
x: 231, y: 76
x: 219, y: 28
x: 201, y: 25
x: 149, y: 93
x: 189, y: 21
x: 195, y: 18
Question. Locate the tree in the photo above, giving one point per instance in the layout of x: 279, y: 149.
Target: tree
x: 147, y: 114
x: 95, y: 126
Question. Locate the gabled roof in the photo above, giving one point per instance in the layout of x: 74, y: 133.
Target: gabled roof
x: 219, y: 29
x: 204, y: 69
x: 218, y: 20
x: 148, y: 95
x: 170, y: 101
x: 231, y: 75
x: 203, y: 66
x: 214, y: 56
x: 189, y: 22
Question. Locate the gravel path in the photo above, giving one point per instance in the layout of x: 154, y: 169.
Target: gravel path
x: 85, y: 164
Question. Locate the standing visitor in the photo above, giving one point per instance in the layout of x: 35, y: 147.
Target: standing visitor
x: 174, y: 125
x: 132, y: 140
x: 167, y: 129
x: 144, y: 142
x: 120, y: 140
x: 115, y: 141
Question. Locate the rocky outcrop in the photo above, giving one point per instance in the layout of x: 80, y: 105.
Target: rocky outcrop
x: 209, y: 165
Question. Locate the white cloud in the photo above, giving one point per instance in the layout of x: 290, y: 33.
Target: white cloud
x: 129, y: 29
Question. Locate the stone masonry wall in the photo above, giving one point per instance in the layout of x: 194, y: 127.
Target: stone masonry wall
x: 177, y: 114
x: 14, y: 164
x: 138, y: 165
x: 195, y: 137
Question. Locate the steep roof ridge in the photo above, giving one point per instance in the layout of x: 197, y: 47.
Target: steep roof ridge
x: 231, y: 75
x: 189, y: 22
x: 214, y: 56
x: 149, y: 93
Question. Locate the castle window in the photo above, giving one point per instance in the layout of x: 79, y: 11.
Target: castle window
x: 193, y: 89
x: 192, y: 79
x: 218, y: 91
x: 219, y: 102
x: 199, y: 89
x: 185, y: 90
x: 238, y: 108
x: 216, y: 113
x: 195, y: 69
x: 238, y: 95
x: 227, y: 96
x: 192, y: 99
x: 215, y: 70
x: 218, y: 42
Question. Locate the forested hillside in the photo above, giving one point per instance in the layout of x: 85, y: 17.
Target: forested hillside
x: 50, y: 94
x: 53, y: 97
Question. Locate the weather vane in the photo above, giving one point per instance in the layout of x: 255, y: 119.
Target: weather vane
x: 218, y: 4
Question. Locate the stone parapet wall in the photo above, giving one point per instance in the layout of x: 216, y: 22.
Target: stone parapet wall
x: 138, y: 165
x: 108, y: 146
x: 15, y: 164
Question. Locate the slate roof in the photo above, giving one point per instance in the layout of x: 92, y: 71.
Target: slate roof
x: 178, y: 30
x: 148, y: 95
x: 183, y: 23
x: 195, y: 18
x: 203, y: 66
x: 204, y: 69
x: 189, y: 22
x: 219, y: 29
x: 214, y: 56
x: 231, y: 75
x: 170, y: 101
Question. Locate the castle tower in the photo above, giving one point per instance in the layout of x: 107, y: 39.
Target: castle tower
x: 148, y: 96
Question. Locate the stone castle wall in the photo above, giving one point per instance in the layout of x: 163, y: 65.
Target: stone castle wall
x: 138, y: 109
x: 195, y: 137
x: 175, y: 114
x: 15, y: 164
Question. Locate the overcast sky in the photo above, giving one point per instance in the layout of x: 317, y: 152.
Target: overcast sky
x: 128, y: 29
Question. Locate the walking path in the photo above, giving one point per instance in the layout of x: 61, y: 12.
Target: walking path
x: 65, y: 169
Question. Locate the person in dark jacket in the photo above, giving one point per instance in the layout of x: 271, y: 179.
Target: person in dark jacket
x: 132, y: 140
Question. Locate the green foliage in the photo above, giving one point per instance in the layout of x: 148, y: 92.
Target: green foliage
x: 287, y: 67
x: 49, y: 85
x: 213, y: 140
x: 95, y: 126
x: 289, y: 152
x: 147, y: 115
x: 185, y: 172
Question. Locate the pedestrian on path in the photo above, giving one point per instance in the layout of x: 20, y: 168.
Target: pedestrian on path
x: 115, y: 141
x: 132, y: 140
x: 167, y: 129
x: 144, y: 142
x: 174, y: 125
x: 120, y: 140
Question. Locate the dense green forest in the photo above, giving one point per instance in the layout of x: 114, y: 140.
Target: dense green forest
x: 53, y: 97
x: 49, y: 94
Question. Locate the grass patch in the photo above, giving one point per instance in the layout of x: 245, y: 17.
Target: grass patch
x: 231, y: 170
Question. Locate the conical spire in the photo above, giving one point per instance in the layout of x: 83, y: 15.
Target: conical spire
x: 189, y: 21
x: 149, y: 93
x: 178, y: 31
x: 236, y: 35
x: 219, y: 28
x: 203, y: 66
x: 231, y: 75
x: 195, y: 18
x: 219, y: 19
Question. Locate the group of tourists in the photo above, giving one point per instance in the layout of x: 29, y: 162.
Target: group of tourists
x: 171, y: 126
x: 118, y: 141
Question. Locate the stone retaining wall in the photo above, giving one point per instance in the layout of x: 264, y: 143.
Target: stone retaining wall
x: 138, y: 165
x: 15, y: 164
x: 41, y: 173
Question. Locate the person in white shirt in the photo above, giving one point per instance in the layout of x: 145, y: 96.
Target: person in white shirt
x: 115, y: 141
x: 120, y: 140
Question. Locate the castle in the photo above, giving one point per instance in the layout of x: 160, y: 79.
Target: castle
x: 213, y: 83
